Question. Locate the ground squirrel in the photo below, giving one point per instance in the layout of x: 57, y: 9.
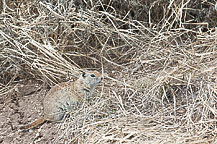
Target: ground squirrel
x: 61, y: 98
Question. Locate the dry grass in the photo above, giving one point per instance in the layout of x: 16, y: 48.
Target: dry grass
x: 159, y: 59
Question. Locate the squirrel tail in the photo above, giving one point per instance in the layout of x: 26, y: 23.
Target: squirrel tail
x: 34, y: 124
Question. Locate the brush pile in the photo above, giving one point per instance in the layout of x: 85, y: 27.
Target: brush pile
x: 159, y: 59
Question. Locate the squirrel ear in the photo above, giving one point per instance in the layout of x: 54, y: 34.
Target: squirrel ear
x: 83, y: 74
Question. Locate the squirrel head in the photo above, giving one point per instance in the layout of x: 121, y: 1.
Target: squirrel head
x: 91, y: 78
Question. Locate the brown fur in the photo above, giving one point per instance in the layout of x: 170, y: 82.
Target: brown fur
x: 65, y: 96
x: 34, y: 124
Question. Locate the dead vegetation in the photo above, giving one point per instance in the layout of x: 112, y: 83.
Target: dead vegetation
x: 159, y: 58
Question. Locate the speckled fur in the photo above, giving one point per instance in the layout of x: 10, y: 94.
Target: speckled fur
x: 63, y: 97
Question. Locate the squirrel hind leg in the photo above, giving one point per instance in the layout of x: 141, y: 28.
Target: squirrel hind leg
x: 33, y: 125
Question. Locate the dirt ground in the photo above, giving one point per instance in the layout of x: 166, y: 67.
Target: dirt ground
x: 22, y: 106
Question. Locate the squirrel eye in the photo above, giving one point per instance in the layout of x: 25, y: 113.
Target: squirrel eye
x: 92, y: 75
